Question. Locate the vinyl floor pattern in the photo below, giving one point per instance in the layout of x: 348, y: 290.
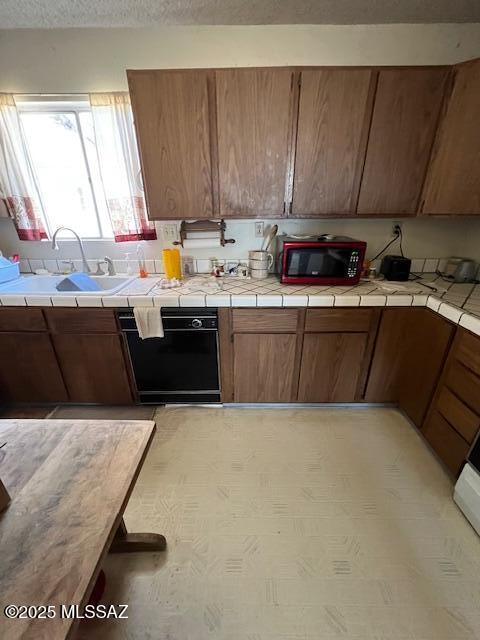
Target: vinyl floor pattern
x: 302, y: 524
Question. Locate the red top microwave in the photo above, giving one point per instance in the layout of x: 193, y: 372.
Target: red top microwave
x: 326, y: 259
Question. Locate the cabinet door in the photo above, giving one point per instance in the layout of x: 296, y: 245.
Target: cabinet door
x: 428, y: 344
x: 29, y: 370
x: 453, y: 181
x: 383, y: 379
x: 404, y: 121
x: 408, y: 358
x: 253, y: 124
x: 331, y: 366
x: 264, y: 367
x: 171, y: 112
x: 333, y: 117
x: 94, y: 368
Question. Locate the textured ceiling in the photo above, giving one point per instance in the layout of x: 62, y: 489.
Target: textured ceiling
x: 135, y: 13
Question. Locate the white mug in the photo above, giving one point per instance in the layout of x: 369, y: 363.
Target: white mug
x: 259, y: 274
x: 260, y: 259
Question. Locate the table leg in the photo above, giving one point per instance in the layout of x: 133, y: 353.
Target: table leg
x: 125, y: 542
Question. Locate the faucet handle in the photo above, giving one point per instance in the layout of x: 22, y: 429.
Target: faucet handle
x: 71, y: 264
x: 99, y: 271
x: 111, y: 268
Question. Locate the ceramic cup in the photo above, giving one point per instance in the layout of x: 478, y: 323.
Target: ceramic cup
x: 260, y: 256
x: 259, y: 274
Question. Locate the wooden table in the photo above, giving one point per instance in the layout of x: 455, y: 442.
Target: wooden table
x: 69, y: 481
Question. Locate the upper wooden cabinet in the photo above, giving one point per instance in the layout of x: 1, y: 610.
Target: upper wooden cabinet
x: 172, y: 120
x: 333, y: 117
x: 453, y: 181
x: 404, y: 121
x: 253, y: 126
x: 313, y: 142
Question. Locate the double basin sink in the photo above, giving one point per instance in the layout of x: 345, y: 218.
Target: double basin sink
x: 47, y: 285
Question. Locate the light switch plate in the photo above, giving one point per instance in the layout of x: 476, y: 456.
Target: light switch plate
x: 259, y: 229
x: 169, y: 232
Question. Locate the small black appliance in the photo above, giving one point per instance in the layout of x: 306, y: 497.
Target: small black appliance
x: 395, y: 268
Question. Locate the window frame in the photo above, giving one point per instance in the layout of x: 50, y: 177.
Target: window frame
x: 73, y: 105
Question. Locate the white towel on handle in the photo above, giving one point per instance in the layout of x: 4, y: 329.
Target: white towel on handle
x: 149, y: 322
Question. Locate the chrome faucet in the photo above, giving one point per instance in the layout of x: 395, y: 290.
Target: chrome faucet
x: 86, y: 268
x: 110, y: 267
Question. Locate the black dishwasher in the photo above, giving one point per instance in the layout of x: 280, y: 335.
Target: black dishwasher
x: 182, y: 367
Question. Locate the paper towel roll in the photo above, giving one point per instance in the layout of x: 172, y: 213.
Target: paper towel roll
x: 205, y: 243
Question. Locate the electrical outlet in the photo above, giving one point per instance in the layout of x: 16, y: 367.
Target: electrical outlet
x: 259, y: 229
x: 170, y: 233
x: 396, y: 229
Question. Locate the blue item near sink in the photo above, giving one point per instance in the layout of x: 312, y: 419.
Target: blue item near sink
x: 8, y: 270
x: 78, y: 282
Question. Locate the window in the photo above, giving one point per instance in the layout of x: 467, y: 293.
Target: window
x: 60, y: 141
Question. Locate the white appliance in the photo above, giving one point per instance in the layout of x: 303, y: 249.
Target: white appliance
x: 467, y: 495
x: 467, y: 489
x: 460, y: 270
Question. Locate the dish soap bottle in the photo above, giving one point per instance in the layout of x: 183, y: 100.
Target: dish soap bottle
x: 141, y: 262
x: 129, y: 264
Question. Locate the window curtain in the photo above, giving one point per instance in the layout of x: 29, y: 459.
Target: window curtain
x: 120, y: 166
x: 17, y: 185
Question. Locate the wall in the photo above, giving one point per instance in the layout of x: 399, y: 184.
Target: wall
x: 82, y: 60
x: 423, y: 238
x: 76, y: 60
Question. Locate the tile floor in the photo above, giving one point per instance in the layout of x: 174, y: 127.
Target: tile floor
x: 301, y: 524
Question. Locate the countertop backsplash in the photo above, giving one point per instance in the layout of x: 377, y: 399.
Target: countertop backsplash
x: 200, y: 265
x: 424, y: 239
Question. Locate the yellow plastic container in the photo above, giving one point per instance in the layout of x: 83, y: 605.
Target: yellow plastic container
x: 176, y: 263
x: 172, y: 263
x: 168, y: 263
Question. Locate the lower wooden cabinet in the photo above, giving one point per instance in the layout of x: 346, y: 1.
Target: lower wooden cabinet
x: 62, y: 355
x: 450, y: 447
x: 298, y: 355
x: 410, y: 351
x: 453, y: 419
x: 263, y: 367
x: 29, y: 370
x: 331, y: 366
x: 93, y: 367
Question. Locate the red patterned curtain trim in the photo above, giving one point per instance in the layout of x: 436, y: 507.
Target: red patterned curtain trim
x: 129, y: 219
x: 24, y: 213
x: 31, y: 234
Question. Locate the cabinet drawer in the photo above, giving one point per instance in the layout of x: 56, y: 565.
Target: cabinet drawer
x: 464, y: 384
x: 25, y: 319
x: 81, y: 320
x: 449, y: 445
x: 467, y: 350
x: 264, y: 320
x: 338, y: 320
x: 462, y: 419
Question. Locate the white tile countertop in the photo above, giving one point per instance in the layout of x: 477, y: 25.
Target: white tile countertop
x: 460, y: 303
